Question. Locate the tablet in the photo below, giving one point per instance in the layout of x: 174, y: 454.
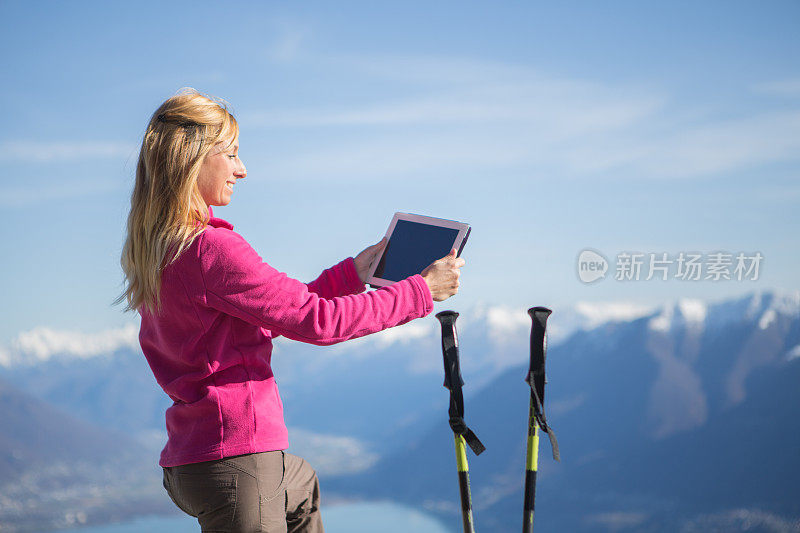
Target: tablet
x: 414, y: 242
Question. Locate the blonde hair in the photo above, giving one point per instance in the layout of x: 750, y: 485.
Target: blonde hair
x: 167, y: 210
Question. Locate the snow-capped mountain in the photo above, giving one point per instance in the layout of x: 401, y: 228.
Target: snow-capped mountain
x: 86, y: 372
x: 763, y: 307
x: 496, y: 324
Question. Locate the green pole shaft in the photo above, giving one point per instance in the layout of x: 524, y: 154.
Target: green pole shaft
x: 531, y: 467
x: 463, y: 484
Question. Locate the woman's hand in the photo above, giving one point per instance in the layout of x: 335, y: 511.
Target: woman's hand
x: 365, y: 258
x: 442, y: 276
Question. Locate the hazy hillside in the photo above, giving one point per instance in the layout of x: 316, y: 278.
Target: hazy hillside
x: 56, y: 470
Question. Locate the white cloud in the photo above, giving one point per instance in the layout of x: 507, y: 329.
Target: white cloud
x: 597, y: 313
x: 790, y: 88
x: 565, y: 108
x: 617, y: 520
x: 794, y: 353
x: 404, y: 335
x: 477, y: 115
x: 505, y: 322
x: 287, y: 43
x: 60, y: 151
x: 332, y: 454
x: 63, y: 185
x: 714, y: 148
x: 41, y: 344
x: 399, y: 335
x: 741, y: 520
x: 6, y: 359
x: 57, y: 190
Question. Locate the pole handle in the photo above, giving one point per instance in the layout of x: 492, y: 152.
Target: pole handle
x: 452, y: 366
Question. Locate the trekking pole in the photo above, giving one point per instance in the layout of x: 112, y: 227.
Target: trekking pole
x: 461, y: 433
x: 536, y: 418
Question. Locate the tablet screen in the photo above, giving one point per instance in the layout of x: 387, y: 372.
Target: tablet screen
x: 412, y: 247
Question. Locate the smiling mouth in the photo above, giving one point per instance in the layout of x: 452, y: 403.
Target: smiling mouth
x: 229, y: 185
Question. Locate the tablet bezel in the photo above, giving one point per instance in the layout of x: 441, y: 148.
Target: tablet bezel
x: 463, y: 231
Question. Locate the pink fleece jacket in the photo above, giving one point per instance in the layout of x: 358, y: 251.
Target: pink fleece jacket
x: 211, y: 346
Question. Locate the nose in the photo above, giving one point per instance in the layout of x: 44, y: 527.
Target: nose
x: 241, y: 172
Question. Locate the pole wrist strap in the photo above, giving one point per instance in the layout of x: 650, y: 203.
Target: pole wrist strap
x: 458, y: 425
x: 541, y: 420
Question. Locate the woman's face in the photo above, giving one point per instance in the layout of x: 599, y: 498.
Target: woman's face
x: 221, y: 169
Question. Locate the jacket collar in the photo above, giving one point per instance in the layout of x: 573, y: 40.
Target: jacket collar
x: 218, y: 222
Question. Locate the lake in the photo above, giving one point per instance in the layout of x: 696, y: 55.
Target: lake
x: 364, y: 517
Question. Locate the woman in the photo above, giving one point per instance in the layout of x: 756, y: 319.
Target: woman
x: 210, y: 308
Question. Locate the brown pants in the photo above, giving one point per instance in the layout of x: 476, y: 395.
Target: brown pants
x: 270, y: 492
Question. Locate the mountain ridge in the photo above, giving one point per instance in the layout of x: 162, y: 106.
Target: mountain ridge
x: 653, y: 425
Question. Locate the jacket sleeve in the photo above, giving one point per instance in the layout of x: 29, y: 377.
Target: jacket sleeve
x: 339, y: 280
x: 238, y: 282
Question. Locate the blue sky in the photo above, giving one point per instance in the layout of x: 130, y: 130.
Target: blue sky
x: 550, y: 128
